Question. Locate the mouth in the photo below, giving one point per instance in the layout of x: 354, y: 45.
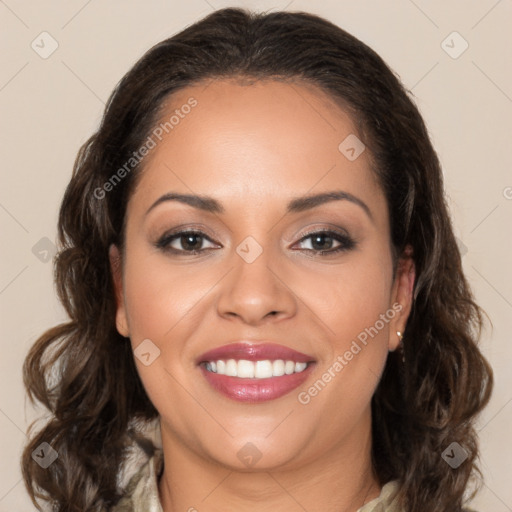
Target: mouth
x: 255, y: 373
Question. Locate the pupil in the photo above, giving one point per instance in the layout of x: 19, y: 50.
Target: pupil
x: 316, y: 239
x: 188, y: 238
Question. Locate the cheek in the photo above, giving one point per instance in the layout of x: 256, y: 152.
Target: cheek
x: 357, y: 313
x: 163, y: 302
x: 357, y: 321
x: 160, y: 294
x: 352, y: 298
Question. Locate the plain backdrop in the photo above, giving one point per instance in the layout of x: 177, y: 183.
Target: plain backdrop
x: 51, y: 103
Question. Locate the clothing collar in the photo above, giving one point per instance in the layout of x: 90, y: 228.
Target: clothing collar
x: 141, y: 494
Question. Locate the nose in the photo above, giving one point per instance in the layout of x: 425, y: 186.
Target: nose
x: 256, y: 292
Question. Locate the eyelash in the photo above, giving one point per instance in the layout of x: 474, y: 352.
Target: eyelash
x: 347, y: 243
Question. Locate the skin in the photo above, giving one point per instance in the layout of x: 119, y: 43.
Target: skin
x: 253, y: 148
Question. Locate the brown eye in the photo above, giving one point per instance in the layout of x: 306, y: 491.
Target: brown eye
x: 184, y: 242
x: 322, y: 242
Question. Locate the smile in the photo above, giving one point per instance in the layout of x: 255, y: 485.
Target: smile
x: 252, y: 373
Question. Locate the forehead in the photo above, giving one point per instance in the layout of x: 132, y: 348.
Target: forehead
x: 242, y: 141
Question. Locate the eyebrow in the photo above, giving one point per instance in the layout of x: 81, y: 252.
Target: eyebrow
x: 297, y: 204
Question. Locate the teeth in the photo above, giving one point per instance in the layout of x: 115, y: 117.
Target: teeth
x: 278, y: 367
x: 245, y: 369
x: 231, y: 368
x: 255, y: 369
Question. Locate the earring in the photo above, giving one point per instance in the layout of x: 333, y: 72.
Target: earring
x: 401, y: 346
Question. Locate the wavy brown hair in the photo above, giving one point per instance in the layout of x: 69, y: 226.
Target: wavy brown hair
x: 83, y: 371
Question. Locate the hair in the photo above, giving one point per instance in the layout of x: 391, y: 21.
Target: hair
x: 83, y: 370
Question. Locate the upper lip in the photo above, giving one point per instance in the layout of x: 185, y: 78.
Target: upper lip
x: 254, y: 352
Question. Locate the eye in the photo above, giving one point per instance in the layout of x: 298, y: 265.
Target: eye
x: 191, y: 242
x: 322, y: 242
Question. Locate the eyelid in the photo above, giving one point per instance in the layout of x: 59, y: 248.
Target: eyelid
x: 322, y: 228
x: 188, y: 227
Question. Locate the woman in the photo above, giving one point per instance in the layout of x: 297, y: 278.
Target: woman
x: 267, y: 304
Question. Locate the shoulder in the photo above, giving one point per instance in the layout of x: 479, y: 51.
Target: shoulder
x: 141, y: 493
x: 387, y: 501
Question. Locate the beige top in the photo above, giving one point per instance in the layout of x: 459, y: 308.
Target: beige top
x: 142, y: 492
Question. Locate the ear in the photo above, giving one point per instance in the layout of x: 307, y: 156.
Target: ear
x: 402, y: 296
x: 116, y: 269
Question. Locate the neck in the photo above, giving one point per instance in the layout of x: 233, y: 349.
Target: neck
x: 340, y: 480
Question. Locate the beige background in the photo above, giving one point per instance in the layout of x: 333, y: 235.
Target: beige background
x: 50, y: 106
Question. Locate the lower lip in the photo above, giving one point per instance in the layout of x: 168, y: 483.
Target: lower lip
x: 256, y: 390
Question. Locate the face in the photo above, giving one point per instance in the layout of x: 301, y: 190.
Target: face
x: 260, y: 266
